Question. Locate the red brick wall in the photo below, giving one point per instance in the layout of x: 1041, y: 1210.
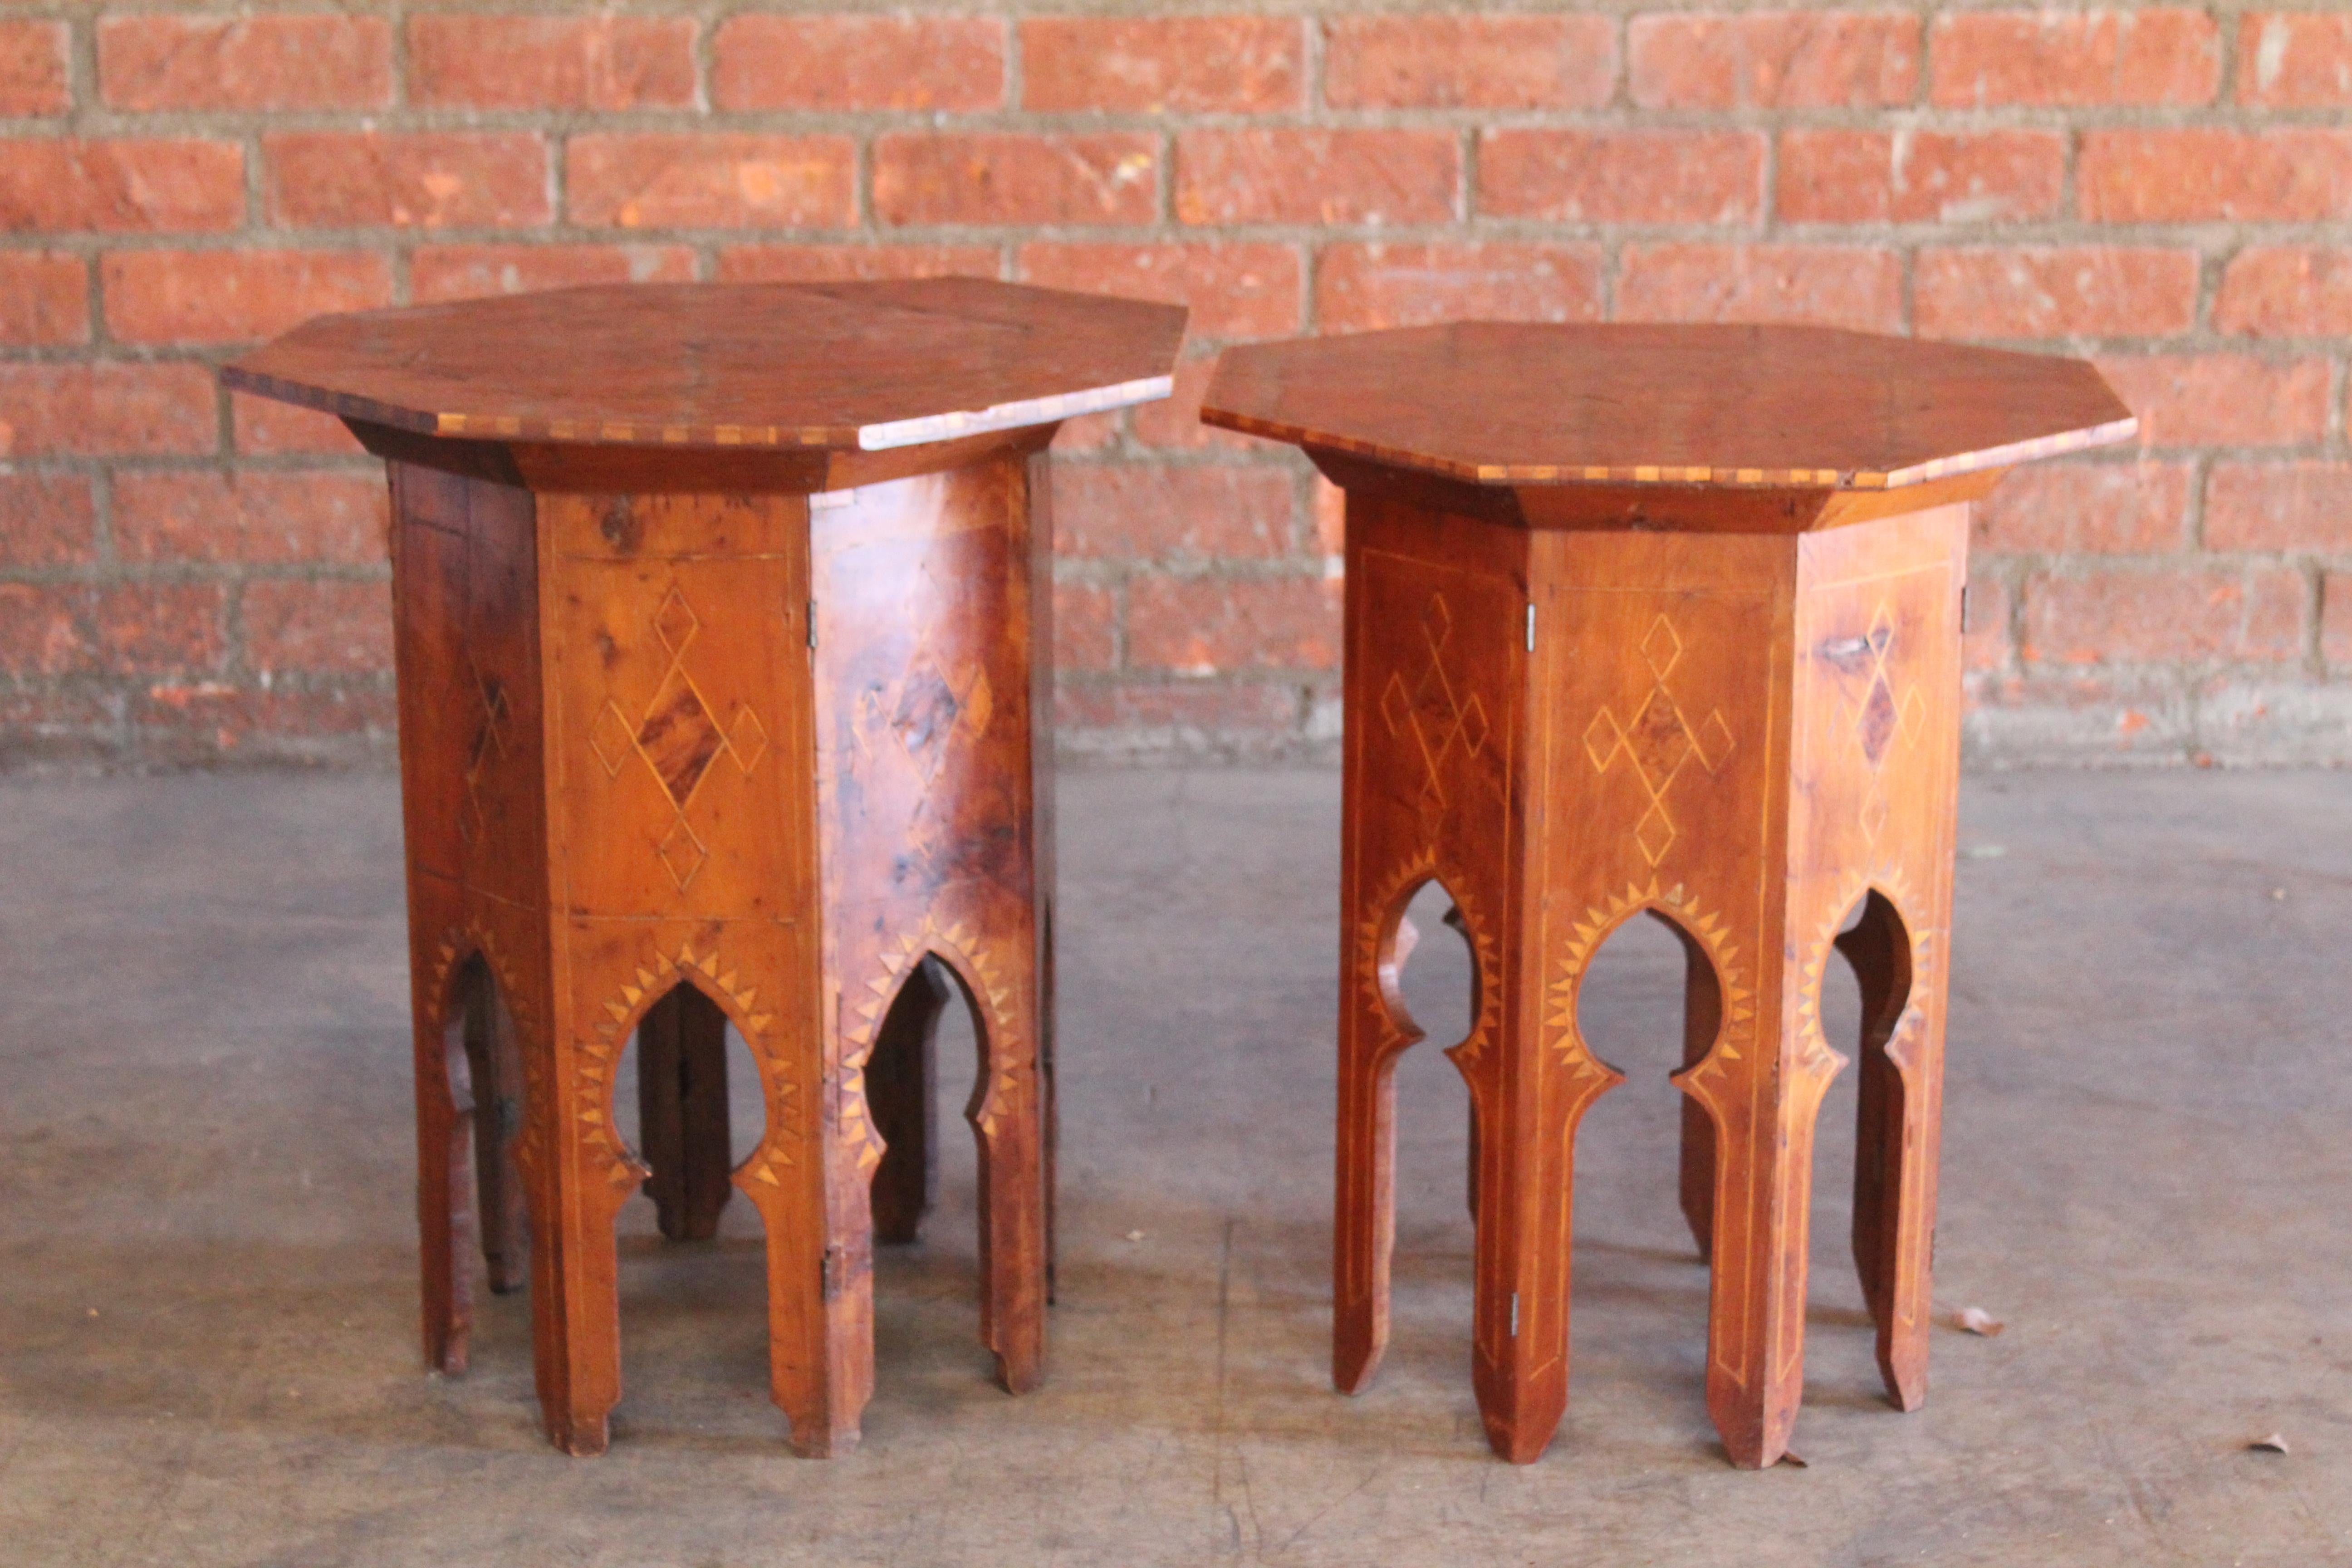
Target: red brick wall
x: 2166, y: 188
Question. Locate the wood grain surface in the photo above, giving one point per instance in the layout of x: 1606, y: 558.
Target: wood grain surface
x: 1812, y: 408
x: 870, y: 365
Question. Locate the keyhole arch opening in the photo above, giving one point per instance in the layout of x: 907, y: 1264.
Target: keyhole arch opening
x: 932, y: 1048
x: 728, y: 1082
x: 1428, y: 970
x: 1640, y: 973
x: 1878, y: 946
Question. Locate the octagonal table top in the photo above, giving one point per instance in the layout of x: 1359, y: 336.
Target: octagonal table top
x: 866, y: 365
x: 1510, y: 404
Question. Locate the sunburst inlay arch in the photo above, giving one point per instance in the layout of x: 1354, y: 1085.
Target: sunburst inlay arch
x: 597, y: 1058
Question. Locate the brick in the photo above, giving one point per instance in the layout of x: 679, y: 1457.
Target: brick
x: 1140, y: 511
x: 1157, y: 65
x: 1365, y: 176
x: 1000, y: 177
x: 550, y: 62
x: 263, y: 425
x: 832, y: 263
x: 50, y: 521
x: 2290, y: 174
x: 2295, y: 61
x: 1086, y: 624
x: 1773, y: 59
x: 206, y: 722
x: 318, y: 626
x: 45, y: 630
x: 1985, y: 641
x: 1235, y: 290
x: 1469, y: 62
x: 1358, y: 288
x: 33, y: 69
x: 2114, y: 616
x: 1175, y: 420
x: 2336, y: 619
x: 1329, y: 503
x: 2279, y: 506
x: 1825, y: 285
x: 251, y: 516
x: 105, y: 409
x: 1186, y: 714
x: 1920, y: 177
x: 2072, y: 508
x: 1087, y: 433
x: 44, y: 298
x: 127, y: 185
x: 1622, y: 176
x: 2223, y: 400
x: 2075, y: 59
x: 319, y: 61
x: 228, y: 296
x: 159, y: 629
x: 2286, y: 292
x: 1209, y: 625
x: 2063, y: 290
x: 712, y: 179
x: 49, y: 724
x: 475, y: 271
x: 903, y: 63
x: 426, y: 179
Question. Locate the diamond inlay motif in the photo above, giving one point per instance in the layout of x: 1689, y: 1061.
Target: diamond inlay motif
x: 1432, y: 708
x: 1658, y: 741
x: 677, y: 736
x: 490, y: 742
x: 1882, y: 719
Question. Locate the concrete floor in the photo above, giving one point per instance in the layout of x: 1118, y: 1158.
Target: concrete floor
x: 206, y: 1262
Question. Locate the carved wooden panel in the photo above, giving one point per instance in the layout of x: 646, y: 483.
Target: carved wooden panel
x: 1435, y: 667
x: 927, y: 631
x: 1875, y: 761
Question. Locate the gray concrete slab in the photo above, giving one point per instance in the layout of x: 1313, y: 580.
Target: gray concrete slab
x: 206, y: 1266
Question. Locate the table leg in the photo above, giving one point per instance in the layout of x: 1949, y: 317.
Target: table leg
x: 1702, y: 1021
x: 682, y: 1119
x: 900, y: 1078
x: 1007, y: 1115
x: 1895, y: 1157
x: 445, y: 1140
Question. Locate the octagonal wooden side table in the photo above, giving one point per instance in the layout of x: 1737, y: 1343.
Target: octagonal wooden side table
x: 725, y: 665
x: 1665, y: 621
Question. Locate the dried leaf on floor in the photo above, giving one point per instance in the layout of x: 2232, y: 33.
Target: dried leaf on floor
x: 2274, y: 1443
x: 1977, y: 1320
x: 1793, y: 1462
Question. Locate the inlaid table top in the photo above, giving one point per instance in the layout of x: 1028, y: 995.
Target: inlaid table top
x: 1503, y: 404
x: 844, y: 365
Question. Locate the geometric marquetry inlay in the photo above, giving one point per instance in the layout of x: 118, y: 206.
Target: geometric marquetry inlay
x: 595, y: 1060
x: 489, y: 738
x: 678, y: 738
x: 1658, y: 739
x: 1882, y: 717
x: 1431, y: 708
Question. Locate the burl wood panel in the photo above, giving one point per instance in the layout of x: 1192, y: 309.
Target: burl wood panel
x: 1749, y: 738
x: 639, y: 801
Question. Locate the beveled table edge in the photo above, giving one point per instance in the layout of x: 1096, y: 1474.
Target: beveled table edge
x: 917, y: 431
x: 2110, y: 434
